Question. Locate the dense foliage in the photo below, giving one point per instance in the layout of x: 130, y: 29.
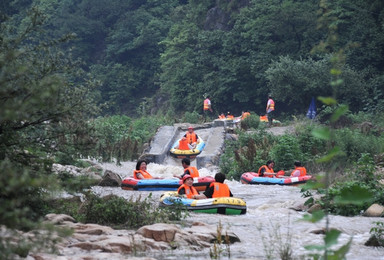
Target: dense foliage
x: 170, y: 54
x: 253, y: 149
x: 116, y: 211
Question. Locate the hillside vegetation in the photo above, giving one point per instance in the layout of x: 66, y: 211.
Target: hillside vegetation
x: 96, y: 78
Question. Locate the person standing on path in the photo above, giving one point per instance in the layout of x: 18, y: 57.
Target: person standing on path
x: 270, y: 110
x: 207, y: 108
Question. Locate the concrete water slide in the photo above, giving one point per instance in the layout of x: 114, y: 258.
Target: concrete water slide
x: 213, y: 135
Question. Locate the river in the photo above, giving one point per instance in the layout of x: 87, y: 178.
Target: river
x: 268, y: 223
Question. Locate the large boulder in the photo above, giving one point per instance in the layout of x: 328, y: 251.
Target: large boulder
x: 111, y: 179
x: 112, y: 244
x: 93, y: 239
x: 375, y: 210
x: 209, y: 233
x: 314, y: 207
x: 159, y: 232
x: 93, y: 172
x: 58, y: 218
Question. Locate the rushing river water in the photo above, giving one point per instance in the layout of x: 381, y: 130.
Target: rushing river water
x: 268, y: 223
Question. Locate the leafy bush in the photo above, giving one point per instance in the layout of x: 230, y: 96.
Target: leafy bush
x: 252, y: 121
x: 286, y: 151
x: 191, y: 117
x: 309, y: 145
x: 121, y: 137
x: 346, y: 209
x: 116, y: 211
x: 358, y: 185
x: 354, y: 143
x: 71, y: 183
x: 378, y: 232
x: 247, y: 154
x: 21, y: 194
x: 326, y: 113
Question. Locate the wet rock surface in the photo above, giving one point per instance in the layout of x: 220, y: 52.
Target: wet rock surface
x: 102, y: 242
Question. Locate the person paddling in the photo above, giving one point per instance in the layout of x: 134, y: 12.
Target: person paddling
x: 188, y: 169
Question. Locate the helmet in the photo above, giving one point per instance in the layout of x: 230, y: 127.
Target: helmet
x: 187, y: 176
x: 190, y: 127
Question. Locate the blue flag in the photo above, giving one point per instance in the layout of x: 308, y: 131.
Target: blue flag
x: 312, y: 109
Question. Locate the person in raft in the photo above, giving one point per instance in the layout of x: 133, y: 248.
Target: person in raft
x: 216, y: 189
x: 183, y: 144
x: 141, y: 170
x: 187, y: 188
x: 189, y: 141
x: 267, y: 169
x: 299, y: 170
x: 188, y: 169
x: 192, y: 138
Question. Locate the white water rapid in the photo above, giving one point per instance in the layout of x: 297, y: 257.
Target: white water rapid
x: 268, y: 224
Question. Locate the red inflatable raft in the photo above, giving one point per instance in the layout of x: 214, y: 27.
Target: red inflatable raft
x: 253, y: 178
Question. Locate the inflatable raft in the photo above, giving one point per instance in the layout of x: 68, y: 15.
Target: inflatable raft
x: 187, y: 153
x: 225, y: 205
x: 253, y: 178
x: 130, y: 183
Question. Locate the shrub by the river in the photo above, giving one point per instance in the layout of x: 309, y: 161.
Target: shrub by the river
x: 121, y: 137
x: 247, y: 154
x: 359, y: 179
x: 250, y: 122
x: 118, y: 212
x: 191, y: 117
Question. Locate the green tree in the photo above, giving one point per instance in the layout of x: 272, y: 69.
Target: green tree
x: 294, y: 82
x: 228, y: 62
x: 44, y: 108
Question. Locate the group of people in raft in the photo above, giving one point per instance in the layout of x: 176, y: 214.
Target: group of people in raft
x: 267, y: 170
x: 217, y: 188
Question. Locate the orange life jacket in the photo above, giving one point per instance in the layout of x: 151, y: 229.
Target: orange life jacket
x: 192, y: 171
x: 302, y: 170
x: 191, y: 138
x: 245, y: 115
x: 189, y: 191
x: 220, y: 190
x: 183, y: 144
x: 221, y: 116
x: 268, y: 172
x: 271, y: 104
x: 206, y: 104
x: 145, y: 174
x: 230, y: 116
